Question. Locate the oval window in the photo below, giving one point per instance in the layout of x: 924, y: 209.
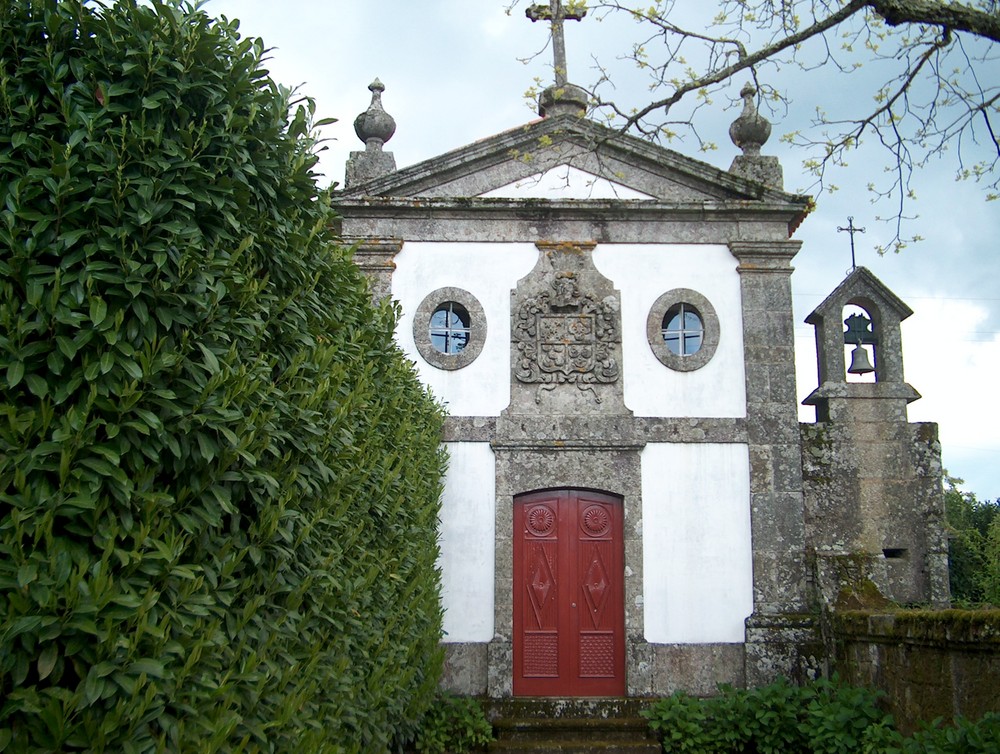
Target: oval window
x: 683, y: 330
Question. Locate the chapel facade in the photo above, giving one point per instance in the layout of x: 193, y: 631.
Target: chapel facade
x: 631, y: 505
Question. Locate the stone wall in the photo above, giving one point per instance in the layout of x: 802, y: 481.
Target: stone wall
x: 873, y: 504
x: 929, y: 664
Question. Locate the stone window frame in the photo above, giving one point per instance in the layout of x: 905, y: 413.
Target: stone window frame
x: 422, y: 323
x: 654, y: 330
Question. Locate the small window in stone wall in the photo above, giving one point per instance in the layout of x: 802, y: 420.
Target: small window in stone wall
x: 683, y: 329
x: 449, y: 328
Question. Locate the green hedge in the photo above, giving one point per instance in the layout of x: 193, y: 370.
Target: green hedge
x: 219, y: 478
x: 453, y: 725
x: 822, y: 717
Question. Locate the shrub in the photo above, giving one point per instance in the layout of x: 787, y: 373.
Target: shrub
x: 824, y: 717
x: 452, y: 725
x: 218, y: 476
x: 682, y: 724
x: 838, y: 716
x: 962, y: 737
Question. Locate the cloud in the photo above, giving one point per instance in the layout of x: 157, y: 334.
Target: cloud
x: 954, y: 362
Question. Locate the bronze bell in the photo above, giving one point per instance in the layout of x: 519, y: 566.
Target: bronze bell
x: 860, y: 363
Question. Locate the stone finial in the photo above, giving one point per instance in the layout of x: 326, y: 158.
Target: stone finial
x: 749, y: 132
x: 374, y: 127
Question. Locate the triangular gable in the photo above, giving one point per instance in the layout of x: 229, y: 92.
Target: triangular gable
x: 565, y: 182
x: 496, y: 163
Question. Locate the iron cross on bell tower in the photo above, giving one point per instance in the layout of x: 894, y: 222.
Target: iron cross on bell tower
x: 852, y: 230
x: 556, y: 14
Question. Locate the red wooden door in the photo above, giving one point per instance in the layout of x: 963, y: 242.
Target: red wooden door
x: 569, y: 605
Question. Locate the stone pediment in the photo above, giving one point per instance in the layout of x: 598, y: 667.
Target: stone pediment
x: 593, y: 161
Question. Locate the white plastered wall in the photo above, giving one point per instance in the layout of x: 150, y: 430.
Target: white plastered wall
x: 468, y: 542
x: 697, y: 558
x: 565, y: 182
x: 642, y: 272
x: 486, y: 270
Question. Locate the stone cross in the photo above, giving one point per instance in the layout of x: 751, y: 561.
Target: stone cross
x: 555, y: 13
x: 852, y: 230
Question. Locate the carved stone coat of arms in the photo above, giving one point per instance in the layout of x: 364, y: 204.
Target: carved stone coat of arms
x: 565, y: 336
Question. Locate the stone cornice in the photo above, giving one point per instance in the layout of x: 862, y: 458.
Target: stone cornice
x: 632, y: 432
x: 765, y: 256
x: 692, y: 221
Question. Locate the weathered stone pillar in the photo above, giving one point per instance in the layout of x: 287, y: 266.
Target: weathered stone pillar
x: 781, y: 632
x: 375, y: 258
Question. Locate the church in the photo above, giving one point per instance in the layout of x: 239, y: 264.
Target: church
x: 632, y: 506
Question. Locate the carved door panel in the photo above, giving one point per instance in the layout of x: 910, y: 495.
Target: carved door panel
x: 569, y: 607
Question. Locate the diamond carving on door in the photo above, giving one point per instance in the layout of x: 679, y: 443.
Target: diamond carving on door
x: 569, y: 609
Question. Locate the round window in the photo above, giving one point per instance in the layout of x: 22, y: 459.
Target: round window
x: 449, y: 328
x: 683, y: 330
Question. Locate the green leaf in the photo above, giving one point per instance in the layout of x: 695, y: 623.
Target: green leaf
x: 93, y: 688
x: 98, y: 310
x: 103, y: 669
x: 26, y: 573
x: 37, y: 385
x: 133, y: 369
x: 15, y: 371
x: 47, y: 660
x: 71, y: 237
x: 67, y: 346
x: 210, y: 360
x: 148, y: 666
x: 22, y: 625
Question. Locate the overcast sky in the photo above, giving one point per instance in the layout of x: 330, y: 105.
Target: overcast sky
x: 452, y: 75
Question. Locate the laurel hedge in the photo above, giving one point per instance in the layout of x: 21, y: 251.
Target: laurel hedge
x: 219, y: 478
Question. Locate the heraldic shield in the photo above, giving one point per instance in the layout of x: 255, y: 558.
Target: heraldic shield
x: 564, y: 333
x: 566, y: 343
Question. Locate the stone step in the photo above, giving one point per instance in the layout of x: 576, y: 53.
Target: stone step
x: 566, y: 707
x: 610, y: 729
x: 574, y: 746
x: 561, y: 726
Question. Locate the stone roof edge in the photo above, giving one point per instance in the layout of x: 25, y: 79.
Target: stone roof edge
x: 529, y: 206
x: 498, y: 148
x: 866, y: 278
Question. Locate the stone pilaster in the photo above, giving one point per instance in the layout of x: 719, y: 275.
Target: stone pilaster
x: 375, y: 257
x: 779, y: 631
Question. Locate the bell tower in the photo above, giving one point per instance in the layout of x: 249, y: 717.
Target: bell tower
x: 871, y: 479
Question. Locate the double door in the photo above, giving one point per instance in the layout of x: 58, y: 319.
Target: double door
x: 569, y: 608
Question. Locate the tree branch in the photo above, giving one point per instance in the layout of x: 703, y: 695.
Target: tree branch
x: 745, y: 62
x: 954, y: 16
